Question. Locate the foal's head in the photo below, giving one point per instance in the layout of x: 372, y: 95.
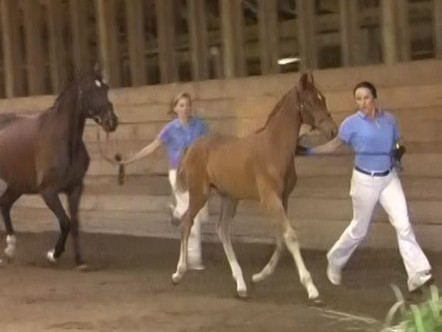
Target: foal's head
x: 93, y: 95
x: 313, y: 108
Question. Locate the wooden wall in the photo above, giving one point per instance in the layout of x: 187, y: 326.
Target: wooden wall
x: 320, y: 207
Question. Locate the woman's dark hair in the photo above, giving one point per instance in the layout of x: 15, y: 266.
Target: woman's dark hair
x: 367, y: 85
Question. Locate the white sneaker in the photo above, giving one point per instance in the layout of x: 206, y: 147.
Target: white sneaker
x: 420, y: 280
x: 334, y: 275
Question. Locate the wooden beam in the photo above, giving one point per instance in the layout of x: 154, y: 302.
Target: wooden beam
x: 403, y: 30
x: 13, y: 57
x: 389, y: 35
x: 351, y: 37
x: 136, y: 41
x: 166, y: 41
x: 232, y: 24
x: 35, y: 64
x: 268, y: 36
x: 80, y: 47
x: 198, y: 39
x: 306, y: 27
x: 108, y: 40
x: 57, y: 46
x: 437, y: 27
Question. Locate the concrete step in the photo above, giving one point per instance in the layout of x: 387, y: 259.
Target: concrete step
x: 317, y: 234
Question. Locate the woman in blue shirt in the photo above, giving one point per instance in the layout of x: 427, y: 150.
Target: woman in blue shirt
x: 373, y: 134
x: 177, y: 136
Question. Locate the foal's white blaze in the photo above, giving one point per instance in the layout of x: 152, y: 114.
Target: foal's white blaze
x: 50, y: 256
x: 98, y: 83
x: 11, y: 247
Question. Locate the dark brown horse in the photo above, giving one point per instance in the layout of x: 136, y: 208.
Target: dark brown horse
x: 45, y: 154
x: 257, y: 167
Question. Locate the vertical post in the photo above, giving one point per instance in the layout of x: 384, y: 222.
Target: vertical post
x: 403, y: 30
x: 107, y: 39
x: 232, y: 38
x: 198, y: 39
x: 81, y: 56
x: 57, y: 48
x: 306, y: 19
x: 34, y: 47
x: 136, y: 40
x: 437, y: 26
x: 389, y: 36
x: 351, y: 36
x: 166, y: 41
x: 14, y: 78
x: 268, y: 35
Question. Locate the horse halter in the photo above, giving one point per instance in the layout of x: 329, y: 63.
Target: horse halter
x: 93, y: 114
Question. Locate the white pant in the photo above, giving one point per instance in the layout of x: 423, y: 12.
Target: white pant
x: 182, y: 203
x: 365, y: 192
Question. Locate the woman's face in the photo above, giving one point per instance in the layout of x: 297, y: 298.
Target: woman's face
x: 183, y: 108
x: 365, y: 100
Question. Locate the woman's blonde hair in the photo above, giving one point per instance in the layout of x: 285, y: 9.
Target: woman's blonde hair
x: 175, y: 101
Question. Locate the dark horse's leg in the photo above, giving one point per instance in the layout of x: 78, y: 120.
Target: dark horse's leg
x: 74, y: 196
x: 8, y: 198
x: 53, y: 202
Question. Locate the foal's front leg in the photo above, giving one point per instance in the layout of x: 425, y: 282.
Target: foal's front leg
x: 53, y: 202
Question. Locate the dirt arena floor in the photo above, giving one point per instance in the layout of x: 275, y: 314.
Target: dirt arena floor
x: 129, y: 289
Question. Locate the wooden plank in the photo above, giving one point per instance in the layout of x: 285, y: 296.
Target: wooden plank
x: 57, y: 46
x: 35, y: 62
x: 389, y: 35
x: 198, y: 39
x: 13, y: 56
x: 306, y: 27
x: 136, y: 41
x: 403, y: 30
x: 80, y: 47
x: 108, y: 41
x: 232, y: 38
x: 166, y: 41
x: 437, y: 27
x: 268, y: 36
x: 351, y: 37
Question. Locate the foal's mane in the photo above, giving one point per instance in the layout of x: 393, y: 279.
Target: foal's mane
x: 275, y: 111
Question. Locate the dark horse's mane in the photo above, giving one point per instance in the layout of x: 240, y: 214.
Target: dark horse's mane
x: 275, y: 111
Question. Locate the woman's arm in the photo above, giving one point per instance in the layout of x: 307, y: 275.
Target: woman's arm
x: 328, y: 147
x: 147, y: 150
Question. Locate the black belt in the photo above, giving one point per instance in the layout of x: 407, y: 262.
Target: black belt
x: 384, y: 173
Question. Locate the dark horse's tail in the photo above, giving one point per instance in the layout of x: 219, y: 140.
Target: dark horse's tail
x: 181, y: 182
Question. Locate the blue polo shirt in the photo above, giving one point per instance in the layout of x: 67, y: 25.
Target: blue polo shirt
x: 178, y: 137
x: 372, y: 140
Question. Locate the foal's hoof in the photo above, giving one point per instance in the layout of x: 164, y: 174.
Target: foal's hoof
x: 50, y: 257
x: 10, y: 253
x: 83, y: 267
x: 242, y: 294
x: 316, y: 302
x: 176, y: 278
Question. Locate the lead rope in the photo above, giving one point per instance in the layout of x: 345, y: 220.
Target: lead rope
x: 117, y: 160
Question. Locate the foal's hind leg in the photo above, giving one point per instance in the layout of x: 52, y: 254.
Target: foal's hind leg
x: 196, y: 202
x: 8, y: 198
x: 228, y: 210
x: 274, y: 205
x: 53, y: 202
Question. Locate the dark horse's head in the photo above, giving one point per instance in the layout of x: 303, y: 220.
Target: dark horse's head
x: 94, y: 101
x: 314, y: 111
